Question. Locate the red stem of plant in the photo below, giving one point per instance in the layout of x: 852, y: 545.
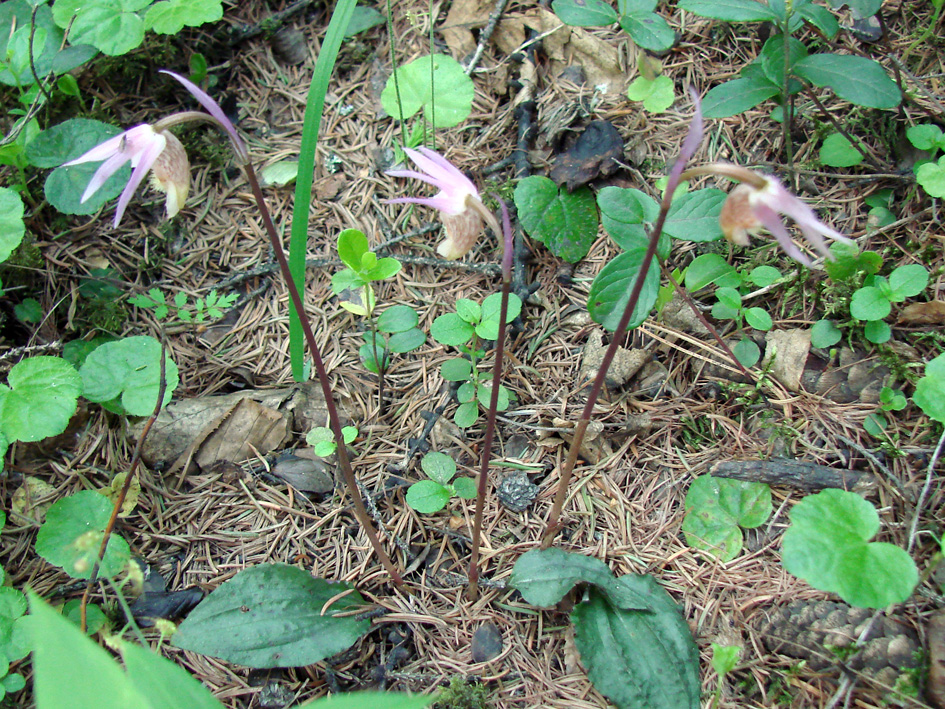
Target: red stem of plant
x: 334, y: 421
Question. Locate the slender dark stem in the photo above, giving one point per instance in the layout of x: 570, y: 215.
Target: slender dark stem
x: 578, y: 437
x: 840, y: 129
x: 334, y: 421
x: 132, y: 471
x: 381, y: 366
x: 787, y: 104
x: 393, y: 68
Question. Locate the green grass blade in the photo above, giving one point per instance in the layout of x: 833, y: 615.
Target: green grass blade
x: 314, y: 106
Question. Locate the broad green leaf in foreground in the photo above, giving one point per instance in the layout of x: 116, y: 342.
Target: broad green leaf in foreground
x: 40, y: 399
x: 565, y: 222
x: 828, y: 546
x: 855, y: 79
x: 171, y: 16
x: 165, y: 683
x: 730, y: 10
x: 374, y: 700
x: 11, y: 222
x: 736, y: 96
x: 584, y: 13
x: 930, y: 390
x: 273, y: 615
x: 716, y: 508
x: 638, y: 659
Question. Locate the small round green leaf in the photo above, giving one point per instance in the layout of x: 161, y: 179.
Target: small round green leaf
x: 925, y: 136
x: 352, y: 245
x: 466, y: 414
x: 401, y: 342
x: 907, y: 281
x: 397, y: 318
x: 465, y: 488
x: 877, y: 332
x: 825, y: 333
x: 869, y: 303
x: 931, y: 176
x: 759, y: 319
x: 747, y: 352
x: 427, y: 496
x: 565, y: 222
x: 456, y: 370
x: 11, y: 222
x: 469, y: 310
x: 171, y: 16
x: 438, y: 467
x: 837, y: 151
x: 418, y: 85
x: 930, y: 390
x: 764, y: 276
x: 451, y: 329
x: 706, y: 270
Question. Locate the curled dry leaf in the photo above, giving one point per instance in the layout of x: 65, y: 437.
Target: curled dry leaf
x: 112, y: 490
x: 931, y: 313
x: 31, y: 500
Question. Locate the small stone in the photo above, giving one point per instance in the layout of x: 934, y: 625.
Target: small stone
x: 486, y: 643
x: 516, y: 492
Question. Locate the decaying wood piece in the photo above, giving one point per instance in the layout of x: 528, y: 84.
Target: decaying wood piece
x: 798, y: 474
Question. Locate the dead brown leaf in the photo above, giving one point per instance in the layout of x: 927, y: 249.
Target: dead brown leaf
x: 462, y: 19
x: 935, y: 688
x: 626, y: 362
x: 27, y: 499
x: 112, y: 490
x: 931, y: 313
x: 572, y: 45
x: 786, y: 351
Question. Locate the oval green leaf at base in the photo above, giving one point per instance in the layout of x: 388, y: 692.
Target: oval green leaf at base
x: 565, y: 222
x: 611, y: 289
x: 271, y: 616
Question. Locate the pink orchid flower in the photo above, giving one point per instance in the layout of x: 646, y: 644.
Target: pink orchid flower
x: 759, y: 203
x: 148, y: 150
x: 457, y: 201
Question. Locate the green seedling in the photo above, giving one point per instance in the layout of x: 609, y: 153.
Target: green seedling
x: 732, y: 284
x: 889, y: 400
x: 717, y: 509
x: 429, y: 496
x: 211, y: 307
x: 323, y: 442
x: 466, y: 329
x: 724, y: 660
x: 828, y: 546
x: 838, y: 151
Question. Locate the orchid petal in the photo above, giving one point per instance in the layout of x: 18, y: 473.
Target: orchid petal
x: 145, y: 161
x: 438, y: 183
x: 441, y: 204
x: 104, y: 171
x: 433, y: 162
x: 99, y: 152
x: 689, y: 147
x: 213, y: 108
x: 772, y: 222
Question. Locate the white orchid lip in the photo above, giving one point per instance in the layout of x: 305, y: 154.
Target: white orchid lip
x: 457, y: 201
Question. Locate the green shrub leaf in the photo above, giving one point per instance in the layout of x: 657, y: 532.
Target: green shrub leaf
x: 730, y: 10
x: 650, y: 31
x: 624, y: 213
x: 930, y: 390
x: 837, y: 151
x: 439, y: 467
x: 451, y: 329
x: 584, y: 13
x: 397, y: 318
x: 114, y: 27
x: 610, y: 291
x: 738, y: 95
x: 171, y: 16
x: 11, y: 222
x: 825, y: 333
x: 869, y: 303
x: 694, y: 216
x: 855, y: 79
x: 273, y: 615
x: 828, y: 546
x: 717, y: 507
x: 931, y: 176
x: 427, y: 496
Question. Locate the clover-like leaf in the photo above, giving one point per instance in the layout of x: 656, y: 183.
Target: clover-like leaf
x: 437, y: 84
x: 11, y: 222
x: 565, y: 222
x: 127, y: 373
x: 931, y: 176
x: 657, y: 94
x: 40, y: 399
x: 828, y: 546
x: 439, y: 467
x: 717, y: 507
x: 171, y: 16
x: 930, y: 390
x: 427, y: 496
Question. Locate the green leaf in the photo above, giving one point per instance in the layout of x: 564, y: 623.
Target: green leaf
x: 638, y: 659
x: 40, y: 400
x: 17, y: 14
x: 694, y: 216
x: 544, y: 577
x: 427, y: 496
x: 352, y: 245
x: 837, y: 151
x: 855, y: 79
x: 485, y: 397
x: 29, y: 312
x: 456, y: 370
x: 466, y: 392
x: 931, y: 176
x: 738, y: 95
x: 892, y: 399
x: 706, y: 270
x: 869, y: 303
x: 717, y: 507
x: 279, y: 174
x: 171, y: 16
x: 584, y: 13
x: 465, y: 488
x: 877, y: 332
x: 114, y: 27
x: 469, y: 310
x: 349, y: 433
x: 746, y: 352
x: 363, y: 18
x: 763, y: 276
x: 451, y: 329
x: 453, y: 91
x: 650, y: 31
x: 165, y: 683
x: 11, y: 222
x: 273, y: 615
x: 821, y: 18
x: 907, y: 281
x: 825, y: 333
x: 129, y: 368
x: 624, y: 213
x: 657, y: 95
x: 72, y: 671
x: 65, y: 185
x: 397, y: 318
x: 611, y: 289
x: 72, y: 534
x: 488, y: 328
x: 439, y: 467
x: 925, y: 136
x: 565, y: 222
x: 12, y: 604
x: 383, y: 269
x: 401, y: 342
x: 466, y: 414
x: 730, y: 10
x: 724, y: 658
x: 828, y: 546
x: 95, y: 619
x: 758, y: 318
x: 930, y: 390
x: 771, y: 58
